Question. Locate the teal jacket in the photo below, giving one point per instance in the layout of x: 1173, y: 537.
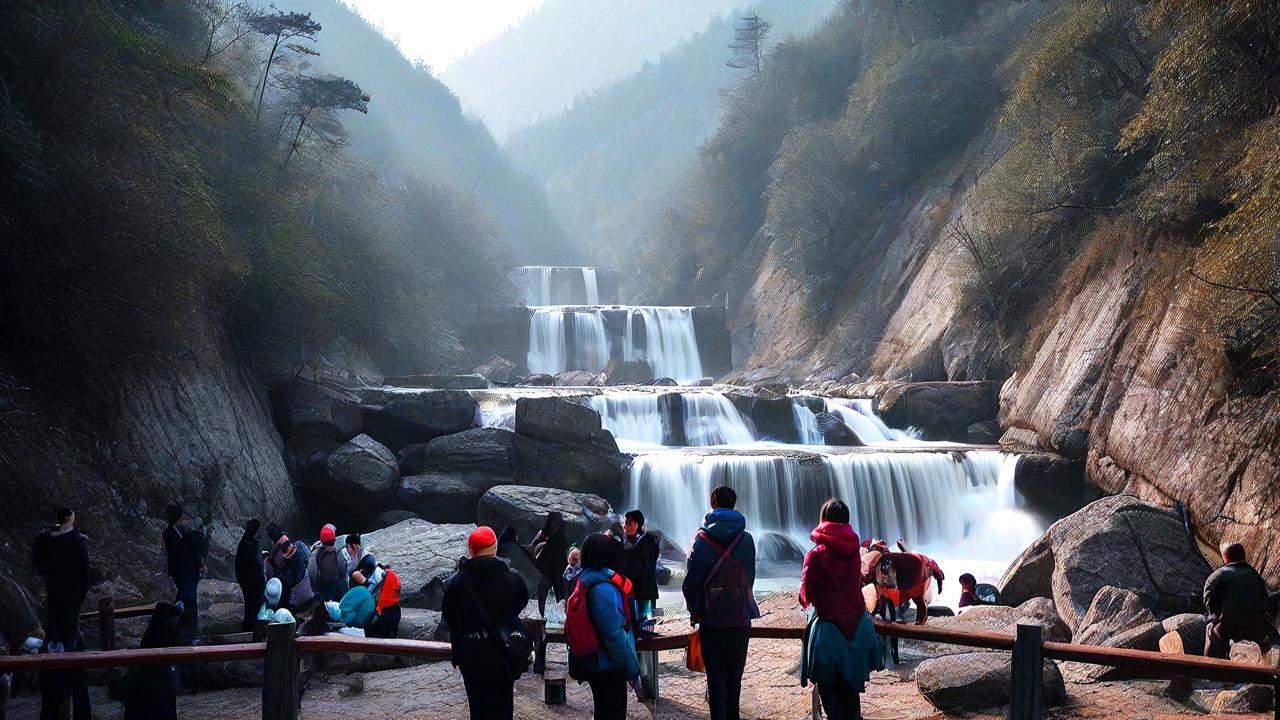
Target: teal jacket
x: 604, y: 606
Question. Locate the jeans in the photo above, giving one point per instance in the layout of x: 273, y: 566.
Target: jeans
x: 189, y: 623
x: 490, y: 695
x: 840, y: 702
x: 724, y: 652
x: 609, y: 695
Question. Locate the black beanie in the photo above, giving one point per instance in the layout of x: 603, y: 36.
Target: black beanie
x: 174, y: 513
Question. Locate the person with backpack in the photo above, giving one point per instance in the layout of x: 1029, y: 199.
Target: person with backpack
x: 550, y: 550
x: 288, y: 563
x: 183, y: 551
x: 599, y: 626
x: 840, y: 648
x: 250, y: 574
x: 717, y: 587
x: 481, y: 607
x: 328, y: 566
x: 639, y: 562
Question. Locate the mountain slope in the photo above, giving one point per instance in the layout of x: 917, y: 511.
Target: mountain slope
x: 568, y: 47
x: 608, y: 162
x: 416, y: 123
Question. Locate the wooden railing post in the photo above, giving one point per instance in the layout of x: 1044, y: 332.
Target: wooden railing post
x: 1026, y: 701
x: 106, y: 624
x: 280, y: 674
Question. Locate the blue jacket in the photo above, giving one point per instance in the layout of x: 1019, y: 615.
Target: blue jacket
x: 604, y: 606
x: 723, y: 525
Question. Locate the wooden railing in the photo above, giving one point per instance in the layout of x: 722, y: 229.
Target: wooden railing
x: 282, y: 650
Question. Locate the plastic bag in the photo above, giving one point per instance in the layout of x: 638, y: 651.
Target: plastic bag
x: 693, y: 657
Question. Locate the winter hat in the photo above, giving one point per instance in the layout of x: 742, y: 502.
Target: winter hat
x: 482, y: 542
x: 282, y: 616
x: 174, y: 513
x: 366, y: 566
x: 274, y: 590
x: 328, y: 533
x: 252, y: 527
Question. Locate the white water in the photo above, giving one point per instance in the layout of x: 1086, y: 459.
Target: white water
x: 635, y: 419
x: 670, y: 345
x: 534, y: 283
x: 549, y: 350
x: 631, y: 416
x: 711, y: 419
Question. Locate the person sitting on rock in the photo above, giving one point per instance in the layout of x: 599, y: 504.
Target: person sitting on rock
x: 328, y: 569
x: 1235, y: 599
x: 969, y: 592
x: 288, y: 563
x: 384, y: 588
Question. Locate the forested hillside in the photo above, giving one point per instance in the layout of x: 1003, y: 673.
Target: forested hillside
x: 608, y: 162
x: 566, y: 48
x: 1075, y: 199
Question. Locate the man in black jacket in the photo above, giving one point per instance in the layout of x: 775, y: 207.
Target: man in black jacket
x: 185, y: 567
x: 249, y: 574
x: 1235, y: 597
x: 62, y: 556
x: 502, y: 595
x: 639, y: 562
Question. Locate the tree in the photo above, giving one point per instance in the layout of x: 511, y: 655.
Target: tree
x: 318, y: 101
x: 280, y: 27
x: 749, y: 44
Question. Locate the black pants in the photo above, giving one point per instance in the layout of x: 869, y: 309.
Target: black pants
x: 840, y: 702
x: 609, y: 695
x: 724, y: 651
x: 59, y: 686
x: 189, y: 623
x: 64, y: 617
x: 252, y: 603
x: 387, y: 625
x: 490, y: 695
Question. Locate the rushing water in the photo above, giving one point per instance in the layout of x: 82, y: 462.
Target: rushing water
x: 670, y: 344
x: 549, y: 344
x: 546, y: 285
x: 637, y: 421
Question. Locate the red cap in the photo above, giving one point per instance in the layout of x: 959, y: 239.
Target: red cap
x: 327, y: 534
x: 482, y: 538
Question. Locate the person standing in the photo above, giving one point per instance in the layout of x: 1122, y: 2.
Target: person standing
x: 1235, y: 598
x: 718, y: 581
x: 61, y: 554
x: 609, y: 612
x: 185, y: 568
x: 840, y: 647
x: 639, y: 562
x: 484, y: 593
x: 550, y: 550
x: 250, y: 574
x: 150, y: 692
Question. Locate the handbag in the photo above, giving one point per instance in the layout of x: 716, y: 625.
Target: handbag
x: 514, y: 645
x: 693, y: 656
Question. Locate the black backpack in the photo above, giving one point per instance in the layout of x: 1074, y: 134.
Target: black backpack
x: 327, y: 564
x: 511, y: 641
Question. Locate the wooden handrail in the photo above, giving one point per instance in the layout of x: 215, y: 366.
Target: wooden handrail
x: 124, y: 613
x: 1195, y: 666
x: 378, y: 646
x: 126, y: 658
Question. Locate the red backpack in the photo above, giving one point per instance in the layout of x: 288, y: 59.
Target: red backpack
x: 584, y: 641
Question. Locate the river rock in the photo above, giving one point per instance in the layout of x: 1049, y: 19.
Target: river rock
x: 484, y: 450
x: 360, y: 471
x: 499, y: 370
x: 1184, y: 634
x: 985, y: 432
x: 576, y: 378
x: 556, y: 419
x: 307, y: 458
x: 525, y: 509
x: 1005, y: 619
x: 1051, y: 485
x: 421, y: 417
x: 1119, y: 541
x: 308, y: 409
x: 1243, y: 700
x: 836, y: 432
x: 423, y: 554
x: 773, y: 414
x: 443, y: 497
x: 942, y: 410
x: 662, y: 382
x: 590, y: 468
x: 971, y: 681
x: 537, y: 380
x: 473, y: 381
x: 625, y: 372
x: 389, y: 518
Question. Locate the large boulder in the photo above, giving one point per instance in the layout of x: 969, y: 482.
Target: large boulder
x: 1119, y: 541
x: 390, y: 517
x: 421, y: 417
x: 557, y: 419
x: 1183, y: 634
x: 576, y: 378
x: 423, y: 554
x: 942, y: 410
x: 307, y: 458
x: 560, y: 443
x: 18, y: 618
x: 361, y: 471
x: 1052, y: 486
x: 525, y: 508
x: 499, y: 370
x: 625, y: 372
x: 774, y: 417
x: 965, y: 682
x: 308, y: 409
x: 474, y: 381
x: 484, y: 450
x: 443, y: 497
x: 1116, y: 618
x: 1005, y: 619
x: 835, y: 431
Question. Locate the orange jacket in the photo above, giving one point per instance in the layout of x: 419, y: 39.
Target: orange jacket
x: 388, y: 591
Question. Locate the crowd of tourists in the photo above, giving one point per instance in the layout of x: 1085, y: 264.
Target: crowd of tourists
x: 608, y: 582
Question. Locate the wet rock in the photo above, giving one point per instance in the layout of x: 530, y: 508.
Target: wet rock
x: 778, y: 547
x: 443, y: 497
x: 423, y: 554
x: 556, y: 419
x: 836, y: 432
x: 537, y: 380
x: 663, y: 382
x: 389, y: 518
x: 625, y: 372
x: 474, y: 381
x: 942, y: 410
x: 1247, y: 699
x: 307, y: 458
x: 576, y: 378
x: 421, y: 417
x: 482, y: 450
x: 985, y: 432
x: 774, y: 417
x: 1051, y: 485
x: 979, y: 680
x: 1119, y: 541
x: 525, y: 508
x: 18, y: 618
x: 360, y: 471
x: 560, y: 443
x: 308, y: 409
x: 499, y: 370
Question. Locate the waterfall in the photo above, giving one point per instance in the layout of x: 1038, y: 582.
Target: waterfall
x: 942, y: 503
x: 635, y: 418
x: 549, y: 350
x: 670, y: 344
x: 632, y: 417
x: 593, y: 288
x: 806, y: 424
x: 540, y: 285
x: 711, y: 419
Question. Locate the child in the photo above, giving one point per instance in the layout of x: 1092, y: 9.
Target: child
x: 573, y: 569
x: 969, y: 591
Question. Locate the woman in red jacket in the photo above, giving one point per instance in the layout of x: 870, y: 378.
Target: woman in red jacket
x: 841, y: 648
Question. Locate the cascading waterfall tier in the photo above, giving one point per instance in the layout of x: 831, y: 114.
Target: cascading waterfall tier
x: 562, y: 340
x: 538, y: 285
x: 639, y: 419
x: 665, y: 337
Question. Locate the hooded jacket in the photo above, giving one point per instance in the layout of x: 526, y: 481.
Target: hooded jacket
x: 608, y: 617
x: 503, y: 594
x: 723, y: 526
x: 62, y: 556
x: 639, y: 564
x: 831, y: 579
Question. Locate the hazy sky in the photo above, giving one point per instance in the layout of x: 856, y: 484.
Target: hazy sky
x: 441, y: 31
